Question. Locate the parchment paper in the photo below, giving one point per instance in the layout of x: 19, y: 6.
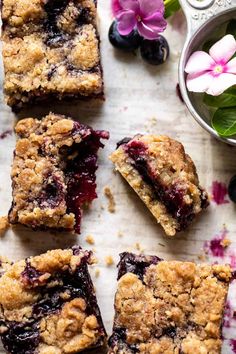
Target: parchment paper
x: 139, y: 99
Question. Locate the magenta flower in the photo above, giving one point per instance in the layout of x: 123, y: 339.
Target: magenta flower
x: 213, y: 73
x: 145, y: 15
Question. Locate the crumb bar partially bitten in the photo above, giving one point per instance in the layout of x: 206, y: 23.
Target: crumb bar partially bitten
x: 164, y: 177
x: 48, y: 305
x: 50, y: 49
x: 168, y: 307
x: 53, y: 172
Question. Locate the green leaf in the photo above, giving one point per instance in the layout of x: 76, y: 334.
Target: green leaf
x: 224, y: 121
x: 207, y: 45
x: 231, y: 28
x: 226, y: 99
x: 171, y: 6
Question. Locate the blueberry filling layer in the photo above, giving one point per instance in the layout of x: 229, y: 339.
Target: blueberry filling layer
x: 80, y: 172
x: 171, y: 196
x: 54, y: 9
x: 118, y: 339
x: 30, y: 275
x: 136, y: 264
x: 52, y: 193
x: 77, y: 186
x: 23, y: 338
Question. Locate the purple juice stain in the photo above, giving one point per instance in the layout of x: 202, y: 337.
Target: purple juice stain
x: 219, y: 193
x: 215, y: 246
x: 233, y: 345
x: 227, y: 315
x: 5, y: 134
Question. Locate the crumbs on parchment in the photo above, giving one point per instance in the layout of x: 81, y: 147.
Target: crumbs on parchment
x: 120, y: 234
x: 111, y: 200
x: 90, y: 240
x: 97, y: 272
x: 4, y: 224
x: 109, y: 261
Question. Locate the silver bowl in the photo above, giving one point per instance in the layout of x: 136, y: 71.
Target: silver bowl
x: 204, y: 19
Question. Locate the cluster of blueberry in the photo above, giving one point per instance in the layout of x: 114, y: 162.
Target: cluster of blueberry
x: 154, y: 52
x: 232, y: 189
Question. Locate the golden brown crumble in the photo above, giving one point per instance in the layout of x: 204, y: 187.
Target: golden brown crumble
x: 225, y: 242
x: 176, y: 308
x: 61, y: 44
x: 111, y: 200
x: 97, y: 272
x: 172, y: 171
x: 4, y: 225
x: 90, y: 240
x: 109, y: 260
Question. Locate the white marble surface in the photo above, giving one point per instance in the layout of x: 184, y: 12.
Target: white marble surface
x: 135, y: 94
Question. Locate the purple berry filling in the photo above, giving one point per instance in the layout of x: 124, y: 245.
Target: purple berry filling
x: 55, y: 8
x: 80, y: 172
x: 79, y: 165
x: 136, y: 264
x: 30, y: 275
x: 118, y: 339
x: 52, y: 193
x: 21, y: 338
x: 171, y: 196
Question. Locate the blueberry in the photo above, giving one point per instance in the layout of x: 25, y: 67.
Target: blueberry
x: 126, y: 43
x: 232, y: 189
x: 155, y: 52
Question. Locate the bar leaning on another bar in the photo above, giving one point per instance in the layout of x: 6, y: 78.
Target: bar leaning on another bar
x: 168, y: 307
x: 50, y: 50
x: 164, y: 177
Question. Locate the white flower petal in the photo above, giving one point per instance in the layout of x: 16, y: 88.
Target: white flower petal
x: 224, y: 49
x: 231, y: 66
x: 199, y: 62
x: 199, y: 83
x: 221, y: 83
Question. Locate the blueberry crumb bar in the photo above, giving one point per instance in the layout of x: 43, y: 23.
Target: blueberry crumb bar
x: 53, y: 172
x: 48, y: 305
x: 164, y: 177
x: 168, y: 307
x: 50, y: 49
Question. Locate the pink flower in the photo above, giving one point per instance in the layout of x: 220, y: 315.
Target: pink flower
x: 145, y: 15
x: 213, y: 73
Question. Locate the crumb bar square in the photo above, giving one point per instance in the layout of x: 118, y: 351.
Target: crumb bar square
x: 48, y: 305
x: 164, y: 177
x: 53, y: 172
x: 168, y: 307
x: 50, y: 49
